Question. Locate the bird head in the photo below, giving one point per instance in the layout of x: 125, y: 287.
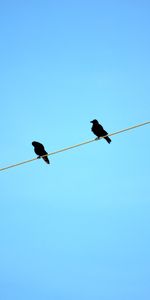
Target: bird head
x: 94, y: 121
x: 34, y: 144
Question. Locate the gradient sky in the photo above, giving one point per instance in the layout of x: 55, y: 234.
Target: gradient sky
x: 78, y: 228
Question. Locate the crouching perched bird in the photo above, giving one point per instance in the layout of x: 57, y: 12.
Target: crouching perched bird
x: 99, y: 131
x: 40, y: 151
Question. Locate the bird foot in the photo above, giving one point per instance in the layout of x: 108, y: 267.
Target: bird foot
x: 97, y: 139
x: 38, y: 156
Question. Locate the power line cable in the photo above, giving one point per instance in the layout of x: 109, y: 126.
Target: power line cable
x: 74, y: 146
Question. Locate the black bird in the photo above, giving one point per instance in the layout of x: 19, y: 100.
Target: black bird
x: 99, y: 131
x: 40, y: 151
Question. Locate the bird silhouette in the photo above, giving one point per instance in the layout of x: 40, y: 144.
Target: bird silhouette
x: 99, y: 131
x: 40, y: 151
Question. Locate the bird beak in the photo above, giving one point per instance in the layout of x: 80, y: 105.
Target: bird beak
x: 91, y: 121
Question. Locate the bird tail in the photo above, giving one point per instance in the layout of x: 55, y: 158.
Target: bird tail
x: 108, y: 139
x: 46, y: 159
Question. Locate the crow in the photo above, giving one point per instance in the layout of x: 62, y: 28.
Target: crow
x: 99, y: 131
x: 40, y: 151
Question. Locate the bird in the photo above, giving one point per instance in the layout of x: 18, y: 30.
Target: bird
x: 40, y: 151
x: 99, y: 131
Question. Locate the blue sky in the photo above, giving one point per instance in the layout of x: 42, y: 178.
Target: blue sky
x: 79, y: 228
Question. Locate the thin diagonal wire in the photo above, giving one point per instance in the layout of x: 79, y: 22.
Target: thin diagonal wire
x: 74, y: 146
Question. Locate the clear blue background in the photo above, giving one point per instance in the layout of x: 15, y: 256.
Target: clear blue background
x: 78, y: 228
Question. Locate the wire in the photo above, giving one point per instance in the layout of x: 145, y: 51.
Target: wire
x: 74, y: 146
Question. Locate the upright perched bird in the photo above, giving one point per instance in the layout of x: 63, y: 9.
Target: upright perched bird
x: 39, y: 150
x: 99, y: 131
